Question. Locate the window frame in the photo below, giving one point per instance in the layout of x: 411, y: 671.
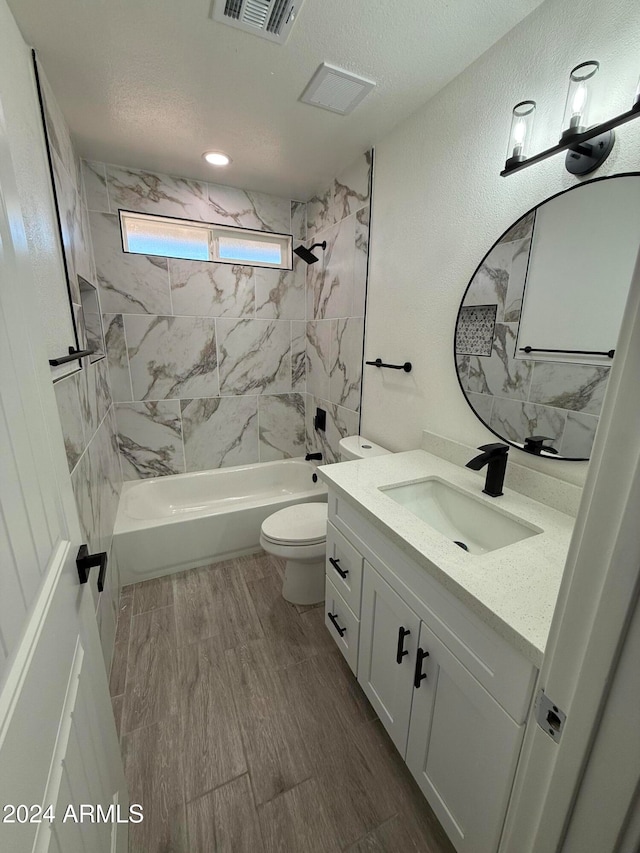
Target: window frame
x: 285, y: 241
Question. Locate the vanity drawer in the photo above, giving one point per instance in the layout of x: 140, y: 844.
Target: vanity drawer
x: 342, y: 624
x: 343, y: 559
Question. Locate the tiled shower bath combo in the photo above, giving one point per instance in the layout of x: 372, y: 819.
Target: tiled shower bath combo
x: 214, y: 365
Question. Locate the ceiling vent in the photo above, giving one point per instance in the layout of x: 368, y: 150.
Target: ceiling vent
x: 334, y: 89
x: 269, y: 19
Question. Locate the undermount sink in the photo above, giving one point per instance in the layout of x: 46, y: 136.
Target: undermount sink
x: 470, y: 522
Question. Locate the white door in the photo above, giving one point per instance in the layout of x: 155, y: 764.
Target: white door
x: 386, y: 661
x: 462, y: 749
x: 58, y: 743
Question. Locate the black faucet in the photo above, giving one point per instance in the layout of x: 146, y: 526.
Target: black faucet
x: 311, y: 456
x: 536, y: 444
x: 494, y: 456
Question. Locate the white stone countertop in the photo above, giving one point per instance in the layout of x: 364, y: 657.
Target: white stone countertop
x: 512, y: 589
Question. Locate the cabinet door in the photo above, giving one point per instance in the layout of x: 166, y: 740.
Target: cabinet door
x: 462, y: 749
x: 386, y: 660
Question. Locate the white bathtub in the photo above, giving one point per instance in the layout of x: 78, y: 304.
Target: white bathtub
x: 168, y: 524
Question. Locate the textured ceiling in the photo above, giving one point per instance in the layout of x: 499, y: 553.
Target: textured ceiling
x: 154, y: 83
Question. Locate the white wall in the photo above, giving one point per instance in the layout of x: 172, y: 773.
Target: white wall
x: 439, y: 204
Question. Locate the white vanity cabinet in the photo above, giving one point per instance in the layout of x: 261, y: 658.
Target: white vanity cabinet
x: 452, y: 694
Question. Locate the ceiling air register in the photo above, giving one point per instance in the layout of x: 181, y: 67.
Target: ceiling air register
x: 269, y: 19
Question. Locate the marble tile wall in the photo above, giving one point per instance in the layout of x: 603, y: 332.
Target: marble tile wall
x: 336, y: 294
x: 84, y: 398
x: 207, y: 361
x: 522, y: 397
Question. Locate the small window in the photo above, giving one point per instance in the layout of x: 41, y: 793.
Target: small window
x: 145, y: 234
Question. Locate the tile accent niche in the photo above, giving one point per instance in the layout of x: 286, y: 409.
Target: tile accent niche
x: 84, y: 398
x: 520, y: 397
x: 209, y: 362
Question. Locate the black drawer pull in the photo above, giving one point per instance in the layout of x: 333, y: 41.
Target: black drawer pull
x: 86, y: 561
x: 336, y: 565
x: 419, y: 674
x: 334, y: 619
x: 401, y: 651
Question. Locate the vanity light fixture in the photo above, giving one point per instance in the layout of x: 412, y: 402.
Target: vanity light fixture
x: 587, y: 147
x: 579, y: 96
x: 217, y: 158
x: 521, y: 128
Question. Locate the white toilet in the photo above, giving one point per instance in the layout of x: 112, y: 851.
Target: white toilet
x: 298, y: 533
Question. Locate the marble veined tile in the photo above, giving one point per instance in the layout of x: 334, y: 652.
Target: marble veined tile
x: 68, y: 401
x: 360, y: 262
x: 57, y: 130
x: 171, y: 357
x: 94, y: 177
x: 340, y: 423
x: 150, y: 436
x: 521, y: 229
x: 129, y: 284
x: 351, y: 188
x: 282, y: 426
x: 502, y: 374
x: 220, y: 432
x: 332, y: 290
x: 517, y: 420
x: 117, y: 358
x: 149, y: 192
x: 489, y: 284
x: 517, y: 277
x: 206, y: 289
x: 320, y: 213
x: 71, y: 224
x: 107, y: 483
x: 579, y: 435
x: 299, y: 220
x: 347, y: 340
x: 298, y: 355
x: 318, y: 357
x: 84, y: 480
x: 280, y: 294
x: 579, y: 387
x: 482, y: 404
x: 254, y: 356
x: 232, y: 206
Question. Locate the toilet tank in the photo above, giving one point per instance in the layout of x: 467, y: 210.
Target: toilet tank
x: 359, y: 447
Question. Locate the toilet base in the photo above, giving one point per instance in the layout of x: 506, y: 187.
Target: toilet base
x: 304, y: 581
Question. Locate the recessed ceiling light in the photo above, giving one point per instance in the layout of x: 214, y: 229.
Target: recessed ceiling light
x: 217, y: 158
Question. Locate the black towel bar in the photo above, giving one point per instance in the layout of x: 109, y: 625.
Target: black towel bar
x: 610, y: 353
x: 380, y: 363
x: 73, y: 355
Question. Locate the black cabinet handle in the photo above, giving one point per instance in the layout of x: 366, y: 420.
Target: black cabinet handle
x: 401, y: 651
x: 334, y: 619
x: 73, y: 355
x: 419, y: 674
x: 336, y: 565
x: 86, y: 561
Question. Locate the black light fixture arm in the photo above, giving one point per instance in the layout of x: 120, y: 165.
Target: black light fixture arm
x: 576, y: 143
x: 407, y: 366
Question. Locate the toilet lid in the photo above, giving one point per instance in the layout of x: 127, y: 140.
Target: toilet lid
x: 302, y: 524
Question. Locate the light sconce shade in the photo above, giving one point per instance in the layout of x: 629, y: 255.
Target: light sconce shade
x: 579, y: 98
x: 520, y: 134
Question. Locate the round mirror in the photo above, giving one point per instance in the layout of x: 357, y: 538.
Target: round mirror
x: 538, y: 325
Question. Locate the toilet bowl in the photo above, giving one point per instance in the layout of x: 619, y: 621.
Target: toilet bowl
x: 298, y: 534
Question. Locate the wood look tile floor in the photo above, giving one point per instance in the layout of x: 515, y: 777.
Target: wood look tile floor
x: 244, y: 731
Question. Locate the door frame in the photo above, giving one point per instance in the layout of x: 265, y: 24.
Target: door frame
x: 590, y: 628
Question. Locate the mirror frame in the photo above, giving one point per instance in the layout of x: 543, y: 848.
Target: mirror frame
x: 550, y: 456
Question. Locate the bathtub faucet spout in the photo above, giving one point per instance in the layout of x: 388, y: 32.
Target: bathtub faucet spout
x: 314, y: 456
